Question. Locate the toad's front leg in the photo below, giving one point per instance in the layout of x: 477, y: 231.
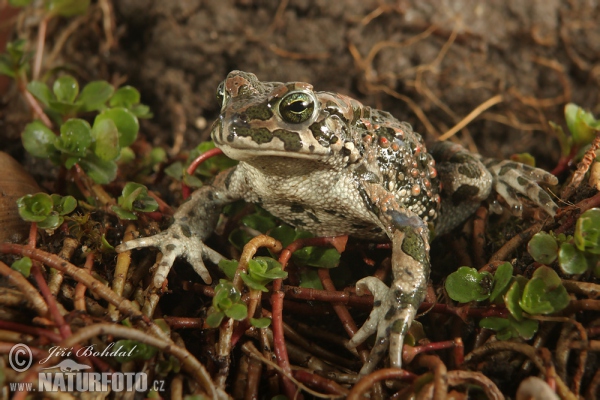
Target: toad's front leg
x: 395, y: 307
x: 193, y: 222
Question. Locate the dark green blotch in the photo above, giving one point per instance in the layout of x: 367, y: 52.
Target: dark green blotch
x: 291, y: 140
x: 186, y: 230
x: 465, y: 192
x: 522, y: 181
x: 261, y: 112
x: 469, y: 170
x: 507, y: 168
x: 414, y: 246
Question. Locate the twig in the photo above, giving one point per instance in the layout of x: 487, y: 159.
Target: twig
x: 31, y: 294
x: 472, y: 115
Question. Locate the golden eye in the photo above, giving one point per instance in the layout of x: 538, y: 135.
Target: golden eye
x: 296, y: 107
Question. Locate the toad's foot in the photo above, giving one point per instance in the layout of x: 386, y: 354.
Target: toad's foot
x: 512, y: 178
x: 176, y: 242
x: 390, y: 318
x: 395, y: 307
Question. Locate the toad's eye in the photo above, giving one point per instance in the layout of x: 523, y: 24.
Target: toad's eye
x: 296, y: 107
x: 221, y: 94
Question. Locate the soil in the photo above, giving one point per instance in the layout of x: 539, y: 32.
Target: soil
x: 442, y: 58
x: 431, y: 63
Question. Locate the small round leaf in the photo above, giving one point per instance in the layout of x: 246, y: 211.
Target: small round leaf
x: 75, y: 137
x: 95, y: 94
x: 41, y: 91
x: 587, y: 231
x: 66, y: 89
x: 543, y: 248
x: 126, y: 123
x: 125, y: 96
x: 38, y: 140
x: 106, y: 146
x: 35, y: 207
x: 466, y: 284
x: 571, y: 259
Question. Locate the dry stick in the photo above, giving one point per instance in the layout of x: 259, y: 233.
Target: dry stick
x: 253, y: 352
x: 189, y: 363
x: 529, y: 351
x: 31, y: 294
x: 94, y: 285
x: 457, y: 377
x: 363, y: 385
x: 39, y: 52
x: 79, y: 297
x: 226, y: 329
x: 582, y: 168
x: 121, y: 269
x: 583, y: 338
x: 472, y: 115
x: 440, y: 379
x: 516, y: 241
x: 66, y: 252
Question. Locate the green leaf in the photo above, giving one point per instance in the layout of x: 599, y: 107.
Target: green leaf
x: 587, y: 231
x: 135, y: 197
x: 51, y: 222
x: 38, y: 140
x: 260, y: 322
x: 266, y: 268
x: 66, y: 89
x: 95, y: 95
x: 22, y: 266
x: 237, y: 312
x: 309, y: 278
x: 239, y: 237
x: 125, y: 97
x: 526, y: 328
x: 284, y: 233
x: 75, y: 137
x: 35, y: 207
x: 316, y: 256
x: 141, y: 111
x: 252, y: 283
x: 19, y: 3
x: 106, y: 145
x: 131, y: 350
x: 175, y: 170
x: 502, y: 278
x: 67, y: 8
x: 6, y: 67
x: 123, y: 214
x: 513, y: 297
x: 571, y: 259
x: 494, y: 323
x: 544, y: 293
x: 41, y: 91
x: 543, y: 248
x: 229, y: 267
x: 63, y: 205
x: 580, y: 124
x: 466, y: 284
x: 126, y: 123
x: 261, y: 223
x: 214, y: 319
x: 100, y: 171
